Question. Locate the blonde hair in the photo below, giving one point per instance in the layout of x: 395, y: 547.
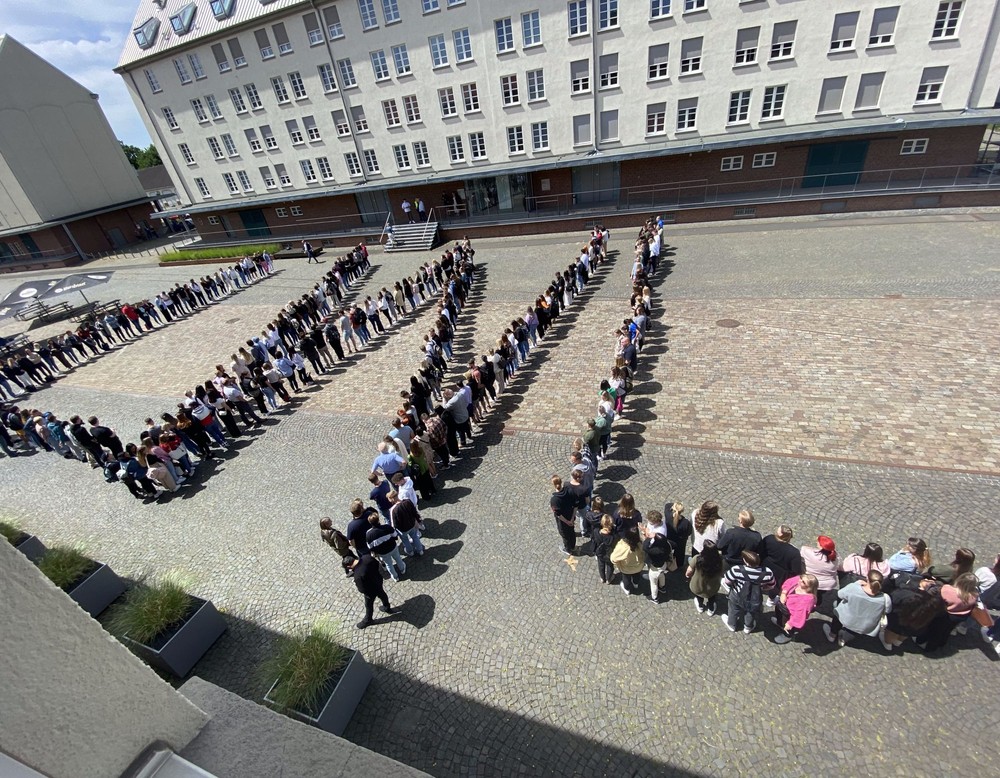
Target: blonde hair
x: 810, y: 582
x: 783, y: 533
x: 746, y: 518
x: 607, y: 522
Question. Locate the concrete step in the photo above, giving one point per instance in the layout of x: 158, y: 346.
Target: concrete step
x: 413, y: 237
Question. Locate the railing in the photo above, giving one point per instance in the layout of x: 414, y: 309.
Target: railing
x: 427, y: 226
x: 386, y: 226
x: 38, y: 257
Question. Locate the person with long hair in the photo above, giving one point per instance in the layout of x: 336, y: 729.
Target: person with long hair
x: 625, y: 515
x: 857, y: 566
x: 963, y: 562
x: 860, y: 608
x: 959, y: 598
x: 678, y: 530
x: 796, y: 601
x: 781, y: 557
x: 705, y: 572
x: 603, y: 539
x: 914, y: 608
x: 708, y: 525
x: 821, y: 561
x: 630, y: 559
x: 914, y: 557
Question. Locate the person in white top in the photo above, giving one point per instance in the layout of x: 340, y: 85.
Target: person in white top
x: 708, y: 525
x: 404, y: 488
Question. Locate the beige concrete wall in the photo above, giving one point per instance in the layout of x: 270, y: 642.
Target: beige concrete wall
x: 73, y: 701
x: 56, y: 141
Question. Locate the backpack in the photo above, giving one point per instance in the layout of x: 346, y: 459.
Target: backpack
x: 748, y: 596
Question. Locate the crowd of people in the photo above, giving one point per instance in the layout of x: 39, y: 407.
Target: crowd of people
x: 736, y: 573
x: 434, y: 423
x: 27, y: 369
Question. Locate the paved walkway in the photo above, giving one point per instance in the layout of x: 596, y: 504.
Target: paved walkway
x: 831, y: 407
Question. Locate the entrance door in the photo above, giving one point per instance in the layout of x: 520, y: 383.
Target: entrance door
x: 255, y: 223
x: 227, y: 226
x: 117, y: 238
x: 30, y: 246
x: 596, y: 183
x: 373, y: 205
x: 835, y: 164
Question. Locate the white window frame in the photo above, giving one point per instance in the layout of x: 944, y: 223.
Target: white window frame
x: 182, y: 71
x: 656, y: 120
x: 439, y: 51
x: 456, y: 151
x: 446, y: 101
x: 660, y: 9
x: 844, y: 44
x: 739, y: 107
x: 229, y: 145
x: 510, y: 93
x: 295, y: 210
x: 154, y: 83
x: 540, y: 136
x: 353, y: 163
x: 213, y: 107
x: 401, y: 156
x: 411, y: 109
x: 607, y: 79
x: 692, y: 64
x: 693, y: 6
x: 687, y: 115
x: 369, y: 19
x: 731, y: 164
x: 391, y: 113
x: 169, y: 117
x: 536, y: 85
x: 783, y: 50
x: 913, y: 146
x: 765, y: 159
x: 325, y: 170
x: 231, y: 184
x: 281, y: 213
x: 401, y: 60
x: 253, y: 96
x: 885, y: 39
x: 347, y: 73
x: 578, y: 17
x: 463, y: 45
x: 946, y: 21
x: 390, y: 12
x: 186, y: 153
x: 280, y: 90
x: 929, y: 89
x: 203, y: 188
x: 215, y: 147
x: 371, y: 161
x: 503, y: 33
x: 308, y: 171
x: 298, y: 85
x: 327, y: 78
x: 380, y: 66
x: 607, y: 15
x: 470, y: 98
x: 579, y: 86
x: 420, y: 153
x: 773, y: 105
x: 244, y: 179
x: 531, y: 29
x: 515, y: 140
x: 477, y: 145
x: 199, y: 110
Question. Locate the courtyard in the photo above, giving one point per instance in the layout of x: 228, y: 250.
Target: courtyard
x: 836, y: 375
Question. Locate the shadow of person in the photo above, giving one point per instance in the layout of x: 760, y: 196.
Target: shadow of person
x: 450, y: 529
x: 417, y: 611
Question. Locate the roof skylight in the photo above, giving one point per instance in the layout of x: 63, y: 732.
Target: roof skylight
x: 145, y: 34
x: 183, y: 19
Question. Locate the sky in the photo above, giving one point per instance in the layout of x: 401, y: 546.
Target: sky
x: 83, y: 38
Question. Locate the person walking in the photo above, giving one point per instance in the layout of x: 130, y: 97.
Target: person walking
x: 308, y: 250
x: 368, y: 580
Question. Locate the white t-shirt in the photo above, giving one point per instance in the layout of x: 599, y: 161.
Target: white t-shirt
x: 712, y: 532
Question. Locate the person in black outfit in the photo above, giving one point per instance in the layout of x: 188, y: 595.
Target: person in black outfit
x: 678, y: 531
x: 86, y: 439
x: 357, y: 527
x: 739, y: 539
x: 782, y: 558
x: 563, y: 504
x: 105, y: 436
x: 368, y: 578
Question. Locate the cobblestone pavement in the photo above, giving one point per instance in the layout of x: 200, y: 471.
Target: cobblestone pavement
x: 506, y: 659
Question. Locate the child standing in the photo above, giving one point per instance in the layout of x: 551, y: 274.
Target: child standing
x: 604, y: 539
x: 796, y: 601
x: 746, y: 582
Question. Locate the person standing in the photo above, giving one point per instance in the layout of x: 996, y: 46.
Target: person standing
x: 381, y: 540
x: 782, y: 558
x: 421, y: 210
x: 563, y: 505
x: 368, y: 578
x: 407, y: 210
x: 405, y: 519
x: 746, y: 582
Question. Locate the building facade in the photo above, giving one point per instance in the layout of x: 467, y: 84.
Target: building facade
x: 291, y: 117
x: 66, y: 188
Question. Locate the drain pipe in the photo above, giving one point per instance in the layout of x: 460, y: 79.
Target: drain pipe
x: 594, y: 76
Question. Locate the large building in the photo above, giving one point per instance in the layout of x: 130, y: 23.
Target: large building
x: 292, y: 117
x: 66, y: 189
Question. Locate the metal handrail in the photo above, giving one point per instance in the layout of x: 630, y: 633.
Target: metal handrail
x: 385, y: 227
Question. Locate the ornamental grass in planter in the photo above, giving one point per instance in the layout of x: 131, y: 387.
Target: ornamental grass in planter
x: 27, y: 544
x: 92, y: 585
x: 65, y: 566
x: 150, y: 609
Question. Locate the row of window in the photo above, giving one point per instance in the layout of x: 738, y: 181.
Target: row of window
x: 769, y: 158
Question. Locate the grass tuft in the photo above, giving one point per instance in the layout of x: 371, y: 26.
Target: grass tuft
x: 10, y: 531
x: 150, y: 609
x: 64, y: 565
x: 302, y: 666
x: 222, y: 252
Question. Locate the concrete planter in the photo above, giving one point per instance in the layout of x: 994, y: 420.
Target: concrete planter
x: 335, y: 713
x: 98, y: 590
x: 178, y: 650
x: 31, y: 547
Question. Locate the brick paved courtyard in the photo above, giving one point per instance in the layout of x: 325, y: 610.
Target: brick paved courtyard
x: 856, y: 398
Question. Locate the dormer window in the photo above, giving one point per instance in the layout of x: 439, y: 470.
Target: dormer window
x: 221, y: 9
x: 183, y: 19
x: 145, y: 34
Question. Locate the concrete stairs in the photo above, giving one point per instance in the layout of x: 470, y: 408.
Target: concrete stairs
x: 421, y: 236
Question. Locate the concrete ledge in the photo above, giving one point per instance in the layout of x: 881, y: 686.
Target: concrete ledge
x: 245, y: 740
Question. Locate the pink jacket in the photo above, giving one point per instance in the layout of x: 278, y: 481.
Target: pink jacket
x: 799, y: 605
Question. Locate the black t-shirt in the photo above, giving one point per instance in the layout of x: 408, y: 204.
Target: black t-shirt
x: 736, y: 541
x: 102, y: 435
x: 82, y: 435
x: 357, y: 529
x: 564, y: 502
x: 783, y: 559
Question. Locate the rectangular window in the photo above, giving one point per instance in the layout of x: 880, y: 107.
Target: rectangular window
x: 230, y: 180
x: 695, y: 5
x: 153, y: 83
x: 369, y: 21
x: 658, y: 61
x: 281, y: 213
x: 253, y: 141
x: 334, y: 29
x: 446, y: 97
x: 687, y: 113
x: 508, y: 90
x: 914, y: 146
x: 411, y: 109
x: 379, y: 65
x: 186, y: 153
x: 244, y: 180
x: 202, y: 187
x: 170, y: 118
x: 540, y: 136
x: 515, y: 140
x: 608, y: 70
x: 439, y: 53
x: 831, y: 94
x: 401, y: 59
x: 199, y: 110
x: 607, y: 14
x: 213, y: 106
x: 237, y: 97
x: 581, y: 130
x: 869, y: 91
x: 353, y: 164
x: 531, y: 29
x: 391, y: 113
x: 229, y: 145
x: 470, y: 98
x: 431, y: 5
x: 371, y: 161
x: 313, y: 30
x: 283, y: 178
x: 347, y: 73
x: 312, y: 131
x: 420, y: 154
x: 308, y: 171
x: 845, y: 28
x: 390, y: 10
x: 731, y: 163
x: 294, y: 133
x: 253, y: 96
x: 281, y: 38
x: 263, y: 44
x: 931, y: 81
x: 182, y: 71
x: 463, y: 45
x: 883, y: 26
x: 340, y: 122
x: 946, y: 21
x: 659, y: 8
x: 267, y: 177
x: 783, y: 40
x: 579, y: 20
x: 765, y: 159
x: 504, y: 34
x: 609, y: 125
x: 326, y: 78
x: 536, y: 85
x: 325, y: 171
x: 656, y: 119
x: 477, y: 145
x: 402, y: 157
x: 579, y: 76
x: 691, y: 56
x: 747, y: 43
x: 773, y: 106
x: 280, y: 92
x: 220, y: 58
x: 360, y: 120
x: 456, y: 153
x: 295, y: 210
x: 213, y: 219
x: 236, y: 50
x: 298, y: 87
x: 270, y: 142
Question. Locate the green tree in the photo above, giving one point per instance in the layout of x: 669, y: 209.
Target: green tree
x: 141, y: 158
